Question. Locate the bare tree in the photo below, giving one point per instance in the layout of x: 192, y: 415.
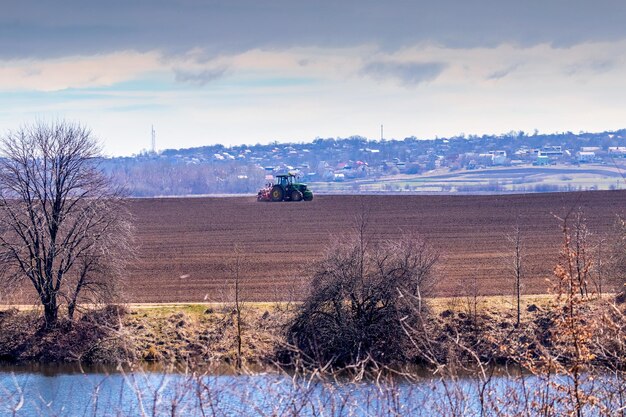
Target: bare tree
x: 99, y: 267
x: 580, y: 243
x: 614, y: 265
x: 598, y: 271
x: 237, y: 269
x: 515, y: 239
x: 63, y: 226
x: 572, y: 324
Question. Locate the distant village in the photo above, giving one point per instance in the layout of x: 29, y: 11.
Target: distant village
x: 242, y: 169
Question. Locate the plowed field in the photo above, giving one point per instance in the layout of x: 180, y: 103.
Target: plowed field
x: 187, y: 244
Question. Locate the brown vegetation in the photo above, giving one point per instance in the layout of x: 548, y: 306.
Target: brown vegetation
x: 362, y: 296
x: 195, y: 334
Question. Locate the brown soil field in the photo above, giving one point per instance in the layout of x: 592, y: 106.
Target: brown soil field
x: 187, y: 245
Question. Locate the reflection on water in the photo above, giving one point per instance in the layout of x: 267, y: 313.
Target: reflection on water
x: 57, y: 369
x: 72, y: 390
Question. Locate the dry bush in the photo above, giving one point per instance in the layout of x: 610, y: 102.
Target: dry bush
x: 564, y: 355
x: 361, y: 294
x: 97, y: 337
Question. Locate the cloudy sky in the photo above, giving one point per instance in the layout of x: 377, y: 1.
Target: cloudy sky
x: 254, y: 71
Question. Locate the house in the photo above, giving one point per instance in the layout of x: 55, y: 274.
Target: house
x: 617, y: 151
x: 493, y: 157
x: 498, y: 157
x: 586, y: 156
x: 551, y: 151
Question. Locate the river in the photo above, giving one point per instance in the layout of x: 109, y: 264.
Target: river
x: 67, y: 390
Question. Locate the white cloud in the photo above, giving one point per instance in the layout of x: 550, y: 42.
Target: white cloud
x: 75, y: 72
x: 300, y: 93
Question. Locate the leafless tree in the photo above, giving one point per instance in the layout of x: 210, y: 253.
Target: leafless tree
x: 580, y: 244
x: 63, y: 226
x: 99, y: 267
x: 362, y: 291
x: 614, y: 256
x: 600, y: 260
x: 237, y: 270
x: 515, y: 239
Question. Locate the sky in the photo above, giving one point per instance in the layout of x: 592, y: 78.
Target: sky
x: 253, y: 71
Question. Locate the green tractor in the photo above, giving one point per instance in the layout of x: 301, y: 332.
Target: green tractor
x: 285, y: 189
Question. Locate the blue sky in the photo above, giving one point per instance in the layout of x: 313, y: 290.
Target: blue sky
x: 242, y: 71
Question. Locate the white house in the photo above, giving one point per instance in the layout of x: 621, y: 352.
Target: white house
x: 586, y: 156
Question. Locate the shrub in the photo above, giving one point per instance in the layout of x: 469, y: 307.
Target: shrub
x: 362, y: 295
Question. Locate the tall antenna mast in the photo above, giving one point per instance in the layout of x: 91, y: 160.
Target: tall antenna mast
x: 153, y: 140
x: 382, y: 137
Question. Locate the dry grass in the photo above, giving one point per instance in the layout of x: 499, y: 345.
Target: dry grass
x: 172, y: 333
x: 203, y: 332
x: 492, y: 303
x: 206, y: 333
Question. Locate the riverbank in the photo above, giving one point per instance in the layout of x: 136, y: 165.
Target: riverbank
x: 188, y: 333
x: 455, y: 329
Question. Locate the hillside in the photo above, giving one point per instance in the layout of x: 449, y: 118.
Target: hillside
x: 358, y: 165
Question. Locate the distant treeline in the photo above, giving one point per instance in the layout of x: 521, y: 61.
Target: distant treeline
x: 163, y: 177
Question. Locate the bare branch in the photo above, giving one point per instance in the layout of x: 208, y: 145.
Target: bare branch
x: 62, y: 225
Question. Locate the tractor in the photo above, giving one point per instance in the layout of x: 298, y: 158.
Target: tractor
x: 285, y: 189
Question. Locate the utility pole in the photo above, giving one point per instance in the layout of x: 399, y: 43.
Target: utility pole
x: 153, y: 148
